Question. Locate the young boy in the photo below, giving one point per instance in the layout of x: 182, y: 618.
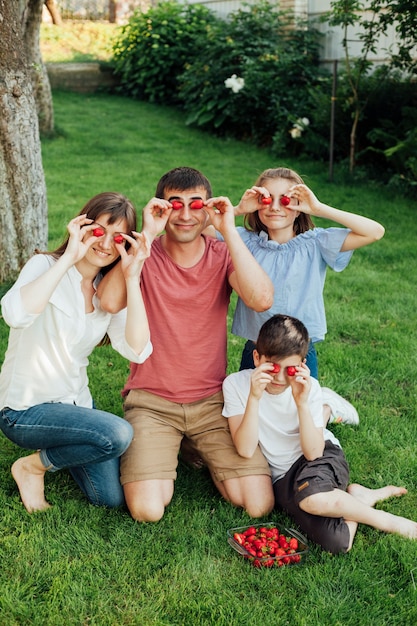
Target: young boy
x: 279, y: 405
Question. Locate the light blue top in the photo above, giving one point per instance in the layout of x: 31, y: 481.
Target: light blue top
x: 298, y: 270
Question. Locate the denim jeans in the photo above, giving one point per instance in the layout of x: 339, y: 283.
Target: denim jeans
x: 87, y: 442
x: 247, y: 363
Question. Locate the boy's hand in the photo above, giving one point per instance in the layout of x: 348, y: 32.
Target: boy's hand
x: 155, y: 217
x: 301, y: 384
x: 260, y: 377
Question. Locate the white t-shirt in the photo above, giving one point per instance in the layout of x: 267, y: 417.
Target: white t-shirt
x: 47, y: 355
x: 279, y: 433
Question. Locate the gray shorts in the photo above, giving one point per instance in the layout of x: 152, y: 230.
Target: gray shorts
x: 306, y: 478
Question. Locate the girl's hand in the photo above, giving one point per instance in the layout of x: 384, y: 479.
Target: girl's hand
x: 251, y: 200
x: 303, y: 199
x: 80, y: 238
x: 132, y: 260
x: 260, y: 378
x: 301, y: 384
x: 155, y: 217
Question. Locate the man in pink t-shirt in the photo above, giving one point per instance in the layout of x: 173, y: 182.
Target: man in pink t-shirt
x: 186, y: 285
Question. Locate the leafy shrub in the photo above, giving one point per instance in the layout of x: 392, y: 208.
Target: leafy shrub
x: 277, y: 59
x: 153, y: 47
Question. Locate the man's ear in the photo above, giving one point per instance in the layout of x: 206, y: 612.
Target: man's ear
x: 256, y: 357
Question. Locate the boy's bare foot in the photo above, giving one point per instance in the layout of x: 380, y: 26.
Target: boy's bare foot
x: 403, y: 526
x: 30, y: 481
x: 372, y: 496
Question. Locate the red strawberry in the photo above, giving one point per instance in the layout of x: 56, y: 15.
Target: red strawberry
x: 266, y: 200
x: 98, y: 232
x: 291, y: 370
x: 196, y: 204
x: 177, y: 205
x: 118, y: 239
x: 293, y: 543
x: 238, y: 538
x: 276, y: 369
x: 285, y: 200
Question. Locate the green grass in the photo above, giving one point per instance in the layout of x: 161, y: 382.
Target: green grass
x: 77, y: 41
x: 76, y: 564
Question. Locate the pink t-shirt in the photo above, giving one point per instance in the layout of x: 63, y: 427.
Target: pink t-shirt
x: 187, y: 312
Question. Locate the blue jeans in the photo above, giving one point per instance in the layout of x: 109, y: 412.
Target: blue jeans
x: 87, y: 442
x: 247, y: 363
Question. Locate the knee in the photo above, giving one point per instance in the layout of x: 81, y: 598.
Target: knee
x: 145, y: 514
x: 123, y: 436
x: 259, y: 508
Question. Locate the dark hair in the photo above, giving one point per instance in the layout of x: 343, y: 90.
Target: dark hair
x: 117, y: 206
x: 302, y: 223
x: 182, y: 178
x: 282, y: 336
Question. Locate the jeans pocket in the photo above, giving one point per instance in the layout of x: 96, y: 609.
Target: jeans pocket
x: 8, y: 417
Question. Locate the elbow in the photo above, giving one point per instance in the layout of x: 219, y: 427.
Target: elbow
x: 109, y: 305
x: 379, y: 232
x: 263, y: 303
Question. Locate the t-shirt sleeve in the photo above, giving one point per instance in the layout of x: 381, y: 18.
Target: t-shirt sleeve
x: 330, y: 241
x: 235, y: 397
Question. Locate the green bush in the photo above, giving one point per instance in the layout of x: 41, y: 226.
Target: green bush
x: 153, y: 47
x: 277, y: 60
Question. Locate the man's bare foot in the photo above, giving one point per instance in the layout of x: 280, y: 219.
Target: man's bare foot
x: 372, y: 496
x: 29, y: 473
x: 189, y: 454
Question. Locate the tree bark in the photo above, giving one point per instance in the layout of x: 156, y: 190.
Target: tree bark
x: 23, y: 200
x: 31, y: 21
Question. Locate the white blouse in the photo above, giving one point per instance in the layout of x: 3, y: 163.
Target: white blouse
x: 47, y: 355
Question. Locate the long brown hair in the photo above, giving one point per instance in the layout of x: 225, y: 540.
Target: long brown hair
x: 113, y: 204
x: 302, y: 223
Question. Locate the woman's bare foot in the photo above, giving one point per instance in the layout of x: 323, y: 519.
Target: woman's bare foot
x: 372, y: 496
x: 29, y: 473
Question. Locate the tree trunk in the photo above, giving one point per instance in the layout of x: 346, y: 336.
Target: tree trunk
x: 23, y: 203
x: 31, y: 21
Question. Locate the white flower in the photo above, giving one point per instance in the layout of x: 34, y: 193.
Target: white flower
x: 296, y: 132
x: 234, y: 83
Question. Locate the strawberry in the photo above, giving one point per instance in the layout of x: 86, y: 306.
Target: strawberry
x: 196, y: 204
x: 293, y: 543
x: 238, y: 537
x: 291, y: 370
x: 266, y: 200
x: 285, y: 200
x: 98, y: 232
x: 276, y: 369
x: 118, y: 239
x: 177, y: 205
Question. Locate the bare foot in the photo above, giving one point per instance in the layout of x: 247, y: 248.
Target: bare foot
x: 372, y: 496
x: 30, y: 481
x: 403, y: 526
x: 190, y: 455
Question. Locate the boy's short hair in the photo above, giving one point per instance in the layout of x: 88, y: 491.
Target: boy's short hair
x: 181, y: 179
x: 282, y: 336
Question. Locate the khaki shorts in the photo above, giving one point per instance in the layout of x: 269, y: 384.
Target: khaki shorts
x: 159, y: 426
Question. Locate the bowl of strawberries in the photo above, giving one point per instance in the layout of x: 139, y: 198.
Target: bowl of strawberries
x: 264, y: 545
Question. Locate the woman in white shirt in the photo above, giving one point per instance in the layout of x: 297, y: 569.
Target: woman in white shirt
x: 55, y: 322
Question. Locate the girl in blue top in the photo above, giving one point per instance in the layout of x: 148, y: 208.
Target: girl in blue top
x: 282, y: 237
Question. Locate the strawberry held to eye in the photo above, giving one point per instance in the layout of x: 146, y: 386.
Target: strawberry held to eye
x: 276, y: 369
x: 285, y: 200
x: 176, y: 205
x: 118, y: 239
x: 98, y: 232
x: 266, y: 200
x: 196, y: 205
x: 291, y: 370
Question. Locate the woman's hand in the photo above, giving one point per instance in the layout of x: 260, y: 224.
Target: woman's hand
x: 132, y: 260
x: 80, y: 239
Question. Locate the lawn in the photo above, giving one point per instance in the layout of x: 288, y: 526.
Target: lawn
x: 75, y: 564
